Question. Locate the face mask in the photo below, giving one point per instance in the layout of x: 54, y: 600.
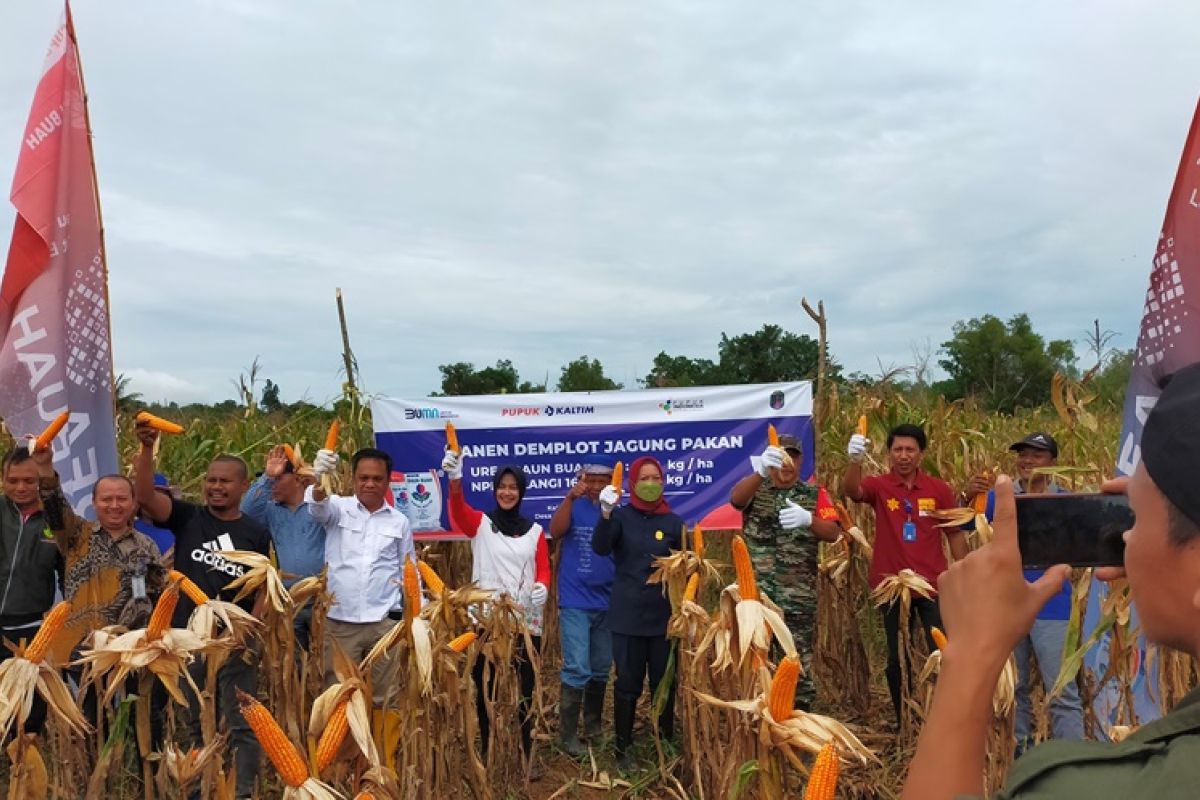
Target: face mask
x: 648, y: 491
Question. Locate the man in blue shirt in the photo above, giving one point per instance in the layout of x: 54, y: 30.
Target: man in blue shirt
x: 584, y: 585
x: 276, y: 500
x: 1045, y: 640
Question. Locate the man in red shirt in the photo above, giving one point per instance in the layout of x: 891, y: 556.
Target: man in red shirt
x: 907, y: 535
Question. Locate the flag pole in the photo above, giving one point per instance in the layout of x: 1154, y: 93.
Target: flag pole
x: 87, y: 122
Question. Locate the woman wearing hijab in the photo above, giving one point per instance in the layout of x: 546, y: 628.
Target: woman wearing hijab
x: 635, y: 535
x: 509, y: 556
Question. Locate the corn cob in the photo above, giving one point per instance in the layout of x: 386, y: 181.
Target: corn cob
x: 412, y: 591
x: 939, y: 638
x: 979, y: 501
x: 843, y: 516
x: 158, y: 423
x: 189, y: 587
x: 42, y: 442
x: 460, y: 643
x: 744, y: 569
x: 160, y: 618
x: 364, y: 795
x: 782, y: 699
x: 618, y: 473
x: 274, y: 741
x: 693, y: 586
x: 331, y: 438
x: 822, y: 781
x: 333, y: 736
x: 698, y: 541
x: 772, y: 436
x: 51, y: 625
x: 861, y: 430
x: 452, y: 438
x: 290, y: 452
x: 433, y: 581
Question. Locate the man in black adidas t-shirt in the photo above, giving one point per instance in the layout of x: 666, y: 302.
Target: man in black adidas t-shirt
x: 201, y: 533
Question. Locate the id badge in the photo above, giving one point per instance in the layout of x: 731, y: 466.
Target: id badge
x: 138, y: 584
x: 910, y: 531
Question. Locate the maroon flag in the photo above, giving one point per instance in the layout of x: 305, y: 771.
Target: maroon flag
x: 1170, y: 333
x: 56, y: 353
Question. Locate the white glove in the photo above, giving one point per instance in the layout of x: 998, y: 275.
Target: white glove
x: 325, y: 463
x: 857, y: 448
x: 538, y: 595
x: 794, y: 516
x: 608, y: 498
x: 452, y: 465
x: 772, y: 458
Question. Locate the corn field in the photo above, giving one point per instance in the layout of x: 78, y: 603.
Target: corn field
x: 733, y: 657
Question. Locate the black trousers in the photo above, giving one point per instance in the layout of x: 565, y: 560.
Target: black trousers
x: 483, y: 688
x: 929, y: 614
x: 37, y: 714
x: 634, y: 656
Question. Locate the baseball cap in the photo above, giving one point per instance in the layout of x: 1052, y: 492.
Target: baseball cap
x: 1171, y: 441
x: 1039, y: 441
x: 789, y: 442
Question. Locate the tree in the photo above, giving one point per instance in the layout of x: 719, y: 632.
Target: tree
x: 462, y: 378
x: 585, y: 375
x: 770, y: 354
x: 127, y: 399
x: 270, y: 397
x: 680, y: 371
x: 1111, y: 382
x: 1005, y: 365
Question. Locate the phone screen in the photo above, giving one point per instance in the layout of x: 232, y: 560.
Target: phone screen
x: 1083, y: 530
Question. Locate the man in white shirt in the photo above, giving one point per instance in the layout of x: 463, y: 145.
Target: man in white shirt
x: 366, y: 543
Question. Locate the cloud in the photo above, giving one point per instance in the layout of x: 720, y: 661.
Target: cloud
x: 538, y: 183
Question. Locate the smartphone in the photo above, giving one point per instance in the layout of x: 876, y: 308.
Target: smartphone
x: 1083, y: 530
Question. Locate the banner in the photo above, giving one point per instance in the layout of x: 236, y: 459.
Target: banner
x: 54, y: 311
x: 704, y: 437
x: 1168, y: 340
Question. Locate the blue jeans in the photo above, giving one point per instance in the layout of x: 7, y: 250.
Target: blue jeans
x: 586, y: 646
x: 1045, y: 641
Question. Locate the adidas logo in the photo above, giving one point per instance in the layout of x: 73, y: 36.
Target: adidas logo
x: 209, y: 554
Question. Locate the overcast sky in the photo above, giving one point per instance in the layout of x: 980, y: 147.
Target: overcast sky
x: 540, y: 181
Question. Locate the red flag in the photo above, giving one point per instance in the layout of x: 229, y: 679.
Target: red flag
x: 1170, y: 332
x: 56, y: 352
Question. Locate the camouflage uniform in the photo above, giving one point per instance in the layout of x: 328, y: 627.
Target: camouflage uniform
x: 785, y: 563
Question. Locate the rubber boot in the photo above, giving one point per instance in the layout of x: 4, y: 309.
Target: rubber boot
x: 593, y: 707
x: 624, y: 709
x: 569, y: 700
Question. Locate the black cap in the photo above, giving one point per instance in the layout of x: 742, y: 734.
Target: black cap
x: 1040, y: 441
x: 789, y: 442
x: 1171, y: 441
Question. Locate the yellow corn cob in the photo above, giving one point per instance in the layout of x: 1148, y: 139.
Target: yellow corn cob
x: 772, y: 436
x: 618, y: 474
x: 51, y: 625
x: 412, y: 591
x: 332, y: 437
x: 861, y: 430
x: 274, y: 741
x: 693, y: 586
x: 290, y: 453
x: 461, y: 642
x: 698, y: 541
x: 364, y: 795
x: 843, y: 516
x: 158, y: 423
x: 979, y: 502
x: 939, y: 638
x: 452, y: 438
x: 822, y: 781
x: 744, y: 570
x: 782, y: 699
x: 433, y: 581
x: 333, y: 736
x: 47, y: 436
x: 160, y: 619
x: 189, y: 587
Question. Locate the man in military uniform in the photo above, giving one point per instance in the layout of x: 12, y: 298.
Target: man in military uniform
x: 782, y: 519
x: 988, y: 607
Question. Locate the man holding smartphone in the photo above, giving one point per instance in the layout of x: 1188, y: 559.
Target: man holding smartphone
x: 1039, y: 451
x: 989, y: 607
